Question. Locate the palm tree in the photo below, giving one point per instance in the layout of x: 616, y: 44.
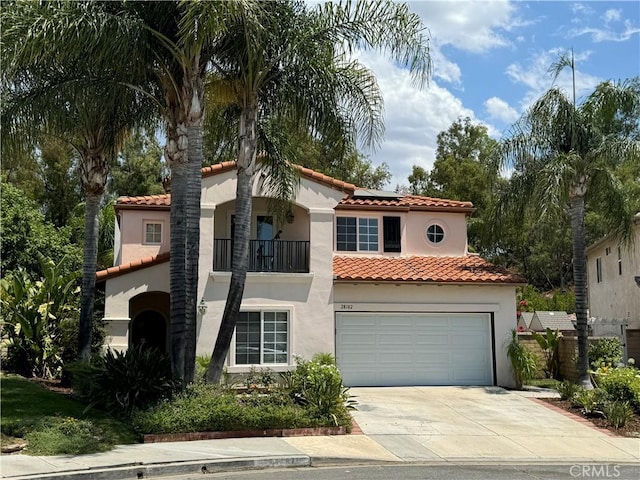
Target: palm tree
x: 288, y: 61
x: 144, y: 38
x: 564, y: 155
x: 47, y: 93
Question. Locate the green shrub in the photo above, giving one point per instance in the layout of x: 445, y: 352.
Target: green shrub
x: 68, y: 436
x: 549, y: 343
x: 120, y: 382
x: 622, y: 384
x: 618, y: 413
x: 523, y: 361
x: 593, y: 401
x: 32, y: 313
x: 317, y: 384
x: 568, y: 390
x: 204, y: 407
x: 606, y: 351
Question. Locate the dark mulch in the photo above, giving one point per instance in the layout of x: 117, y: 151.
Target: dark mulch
x: 631, y: 429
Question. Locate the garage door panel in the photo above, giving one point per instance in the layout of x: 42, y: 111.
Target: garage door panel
x: 414, y: 349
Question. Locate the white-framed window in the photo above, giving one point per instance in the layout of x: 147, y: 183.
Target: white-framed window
x: 435, y: 233
x: 599, y: 269
x: 619, y: 261
x: 607, y: 251
x: 355, y: 234
x: 152, y: 233
x: 262, y: 338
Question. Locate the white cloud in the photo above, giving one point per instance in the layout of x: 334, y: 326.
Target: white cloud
x: 500, y: 110
x: 413, y: 118
x: 612, y: 15
x: 580, y: 8
x: 535, y: 75
x: 443, y: 68
x: 470, y: 26
x: 607, y: 34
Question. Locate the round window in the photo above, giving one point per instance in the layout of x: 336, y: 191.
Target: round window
x: 435, y: 233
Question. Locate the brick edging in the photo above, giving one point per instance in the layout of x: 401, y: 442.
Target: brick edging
x: 276, y: 432
x: 573, y: 416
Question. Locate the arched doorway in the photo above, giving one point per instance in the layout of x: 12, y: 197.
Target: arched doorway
x: 149, y: 313
x: 149, y: 328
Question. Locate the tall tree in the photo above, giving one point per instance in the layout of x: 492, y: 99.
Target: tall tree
x: 50, y: 89
x: 139, y: 169
x: 340, y: 160
x: 463, y: 170
x: 564, y: 154
x: 289, y: 61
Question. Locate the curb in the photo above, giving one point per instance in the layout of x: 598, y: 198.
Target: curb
x: 276, y: 432
x: 140, y: 471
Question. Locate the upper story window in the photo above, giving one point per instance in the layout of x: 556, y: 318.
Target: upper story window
x: 619, y: 261
x: 607, y: 251
x: 599, y: 269
x: 153, y: 233
x: 391, y: 234
x: 435, y: 233
x: 357, y: 234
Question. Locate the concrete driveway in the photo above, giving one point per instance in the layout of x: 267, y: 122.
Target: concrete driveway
x: 480, y: 423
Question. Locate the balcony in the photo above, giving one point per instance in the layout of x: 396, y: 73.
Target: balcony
x: 278, y: 256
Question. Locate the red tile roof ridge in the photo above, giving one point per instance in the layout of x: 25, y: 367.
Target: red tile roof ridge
x: 134, y: 265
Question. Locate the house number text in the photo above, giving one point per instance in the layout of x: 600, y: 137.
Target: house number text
x: 346, y: 306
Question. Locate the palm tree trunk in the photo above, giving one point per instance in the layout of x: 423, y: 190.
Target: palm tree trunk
x: 93, y: 172
x: 580, y: 280
x: 240, y: 261
x: 176, y: 154
x: 194, y: 191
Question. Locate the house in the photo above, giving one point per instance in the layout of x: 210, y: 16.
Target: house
x: 383, y: 281
x: 561, y: 321
x: 524, y: 321
x: 613, y: 276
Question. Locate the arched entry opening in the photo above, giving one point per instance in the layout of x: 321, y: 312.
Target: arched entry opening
x: 149, y: 313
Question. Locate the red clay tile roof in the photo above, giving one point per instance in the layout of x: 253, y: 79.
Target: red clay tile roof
x: 468, y: 269
x: 118, y: 270
x: 326, y: 180
x: 406, y: 202
x: 153, y: 201
x: 402, y: 202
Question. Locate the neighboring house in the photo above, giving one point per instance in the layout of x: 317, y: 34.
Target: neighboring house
x: 524, y: 321
x: 542, y: 320
x: 382, y: 280
x: 613, y: 273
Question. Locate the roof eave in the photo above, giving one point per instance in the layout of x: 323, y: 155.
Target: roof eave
x: 125, y: 206
x: 429, y: 282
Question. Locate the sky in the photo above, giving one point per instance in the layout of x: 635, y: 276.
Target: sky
x: 490, y: 62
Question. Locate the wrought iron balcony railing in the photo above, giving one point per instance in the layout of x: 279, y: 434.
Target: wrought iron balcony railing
x: 283, y: 256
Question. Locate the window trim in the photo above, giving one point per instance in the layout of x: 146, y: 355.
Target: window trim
x: 443, y: 235
x: 145, y: 223
x: 357, y: 234
x: 262, y: 310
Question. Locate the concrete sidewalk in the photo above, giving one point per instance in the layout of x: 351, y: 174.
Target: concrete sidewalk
x: 411, y: 424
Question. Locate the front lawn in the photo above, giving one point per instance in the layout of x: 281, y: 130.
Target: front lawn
x: 134, y: 389
x: 55, y: 424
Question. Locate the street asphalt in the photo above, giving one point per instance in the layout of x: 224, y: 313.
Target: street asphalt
x: 426, y: 425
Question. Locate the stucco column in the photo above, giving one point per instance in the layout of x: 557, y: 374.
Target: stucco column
x: 321, y: 265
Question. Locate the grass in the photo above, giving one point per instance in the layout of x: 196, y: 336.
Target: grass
x: 55, y: 424
x: 544, y: 383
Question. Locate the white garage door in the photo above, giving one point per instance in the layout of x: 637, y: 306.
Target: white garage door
x: 391, y: 349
